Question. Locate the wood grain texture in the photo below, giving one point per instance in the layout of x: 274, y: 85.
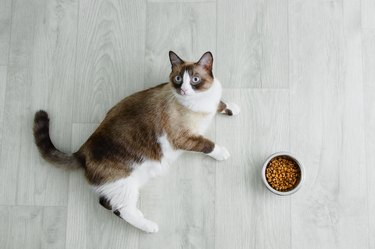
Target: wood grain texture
x: 40, y: 73
x: 367, y: 14
x: 89, y: 224
x: 53, y: 68
x: 110, y: 61
x: 191, y: 33
x: 32, y: 227
x: 314, y: 127
x: 17, y: 98
x: 275, y: 44
x: 354, y: 221
x: 3, y: 81
x: 245, y: 211
x: 327, y: 127
x: 369, y: 113
x: 179, y: 1
x: 182, y: 202
x: 252, y: 43
x: 239, y: 43
x: 5, y: 23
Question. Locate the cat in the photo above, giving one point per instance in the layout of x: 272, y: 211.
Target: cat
x: 142, y: 134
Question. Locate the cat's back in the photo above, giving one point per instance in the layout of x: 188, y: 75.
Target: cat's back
x: 139, y: 113
x: 143, y: 102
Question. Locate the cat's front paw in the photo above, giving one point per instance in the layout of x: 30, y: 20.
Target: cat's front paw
x: 219, y: 153
x: 232, y: 109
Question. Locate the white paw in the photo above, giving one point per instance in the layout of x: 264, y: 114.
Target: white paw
x: 138, y: 213
x: 150, y: 226
x: 219, y: 153
x: 234, y: 108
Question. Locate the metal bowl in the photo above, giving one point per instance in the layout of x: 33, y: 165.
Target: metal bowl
x: 293, y: 158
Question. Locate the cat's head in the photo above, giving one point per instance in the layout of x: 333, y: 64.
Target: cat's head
x: 191, y: 78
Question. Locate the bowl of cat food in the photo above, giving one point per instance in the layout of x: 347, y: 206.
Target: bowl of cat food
x: 283, y: 174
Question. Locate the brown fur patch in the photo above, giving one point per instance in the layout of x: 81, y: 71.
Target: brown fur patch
x: 192, y: 142
x: 221, y: 107
x: 228, y: 112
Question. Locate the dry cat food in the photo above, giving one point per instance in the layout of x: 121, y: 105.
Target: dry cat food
x: 283, y: 174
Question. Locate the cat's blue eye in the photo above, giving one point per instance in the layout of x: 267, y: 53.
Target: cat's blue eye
x: 178, y: 79
x: 196, y: 80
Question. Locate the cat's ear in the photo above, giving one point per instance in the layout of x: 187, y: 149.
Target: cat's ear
x: 175, y: 60
x: 206, y: 61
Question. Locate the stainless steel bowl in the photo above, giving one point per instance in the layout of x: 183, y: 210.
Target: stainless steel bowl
x: 286, y: 154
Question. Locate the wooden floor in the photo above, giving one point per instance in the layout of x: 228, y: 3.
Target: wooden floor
x: 302, y: 71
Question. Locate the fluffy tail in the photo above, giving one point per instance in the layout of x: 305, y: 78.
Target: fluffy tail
x: 46, y: 148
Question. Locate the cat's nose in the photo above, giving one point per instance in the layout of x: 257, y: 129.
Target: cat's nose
x: 183, y: 91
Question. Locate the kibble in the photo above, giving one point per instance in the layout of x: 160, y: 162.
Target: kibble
x: 283, y: 174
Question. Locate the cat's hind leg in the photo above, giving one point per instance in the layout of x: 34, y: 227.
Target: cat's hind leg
x: 107, y: 205
x: 121, y: 197
x: 135, y: 218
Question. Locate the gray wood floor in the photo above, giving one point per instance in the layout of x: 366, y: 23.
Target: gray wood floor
x: 302, y: 71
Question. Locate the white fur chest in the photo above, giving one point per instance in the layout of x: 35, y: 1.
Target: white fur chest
x: 201, y: 123
x: 205, y: 102
x: 169, y: 154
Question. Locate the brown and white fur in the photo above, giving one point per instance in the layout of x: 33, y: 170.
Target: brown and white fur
x: 143, y: 134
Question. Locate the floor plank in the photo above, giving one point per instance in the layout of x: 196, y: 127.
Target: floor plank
x: 327, y: 125
x: 179, y: 1
x: 5, y: 23
x: 315, y: 129
x: 239, y: 43
x: 275, y: 45
x: 369, y: 107
x: 111, y: 55
x: 191, y: 33
x: 53, y: 70
x: 38, y: 78
x: 354, y: 221
x: 182, y: 202
x: 246, y: 212
x: 368, y: 17
x: 32, y: 227
x: 90, y: 225
x: 17, y: 98
x: 3, y: 81
x: 252, y: 43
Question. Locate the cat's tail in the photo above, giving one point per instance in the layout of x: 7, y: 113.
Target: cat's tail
x: 46, y: 148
